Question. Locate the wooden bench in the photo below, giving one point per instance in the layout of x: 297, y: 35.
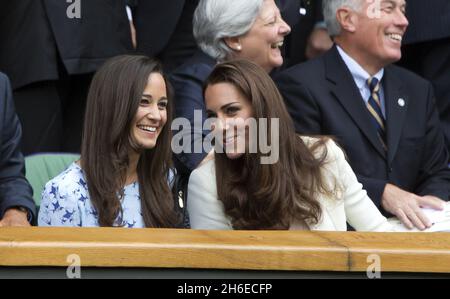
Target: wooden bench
x: 237, y: 250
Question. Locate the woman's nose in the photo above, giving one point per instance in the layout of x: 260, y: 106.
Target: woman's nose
x: 285, y: 29
x: 221, y: 124
x: 153, y: 113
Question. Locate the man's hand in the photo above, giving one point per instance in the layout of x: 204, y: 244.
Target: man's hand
x: 14, y: 217
x: 318, y: 43
x: 406, y: 206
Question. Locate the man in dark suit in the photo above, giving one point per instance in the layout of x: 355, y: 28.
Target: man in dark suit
x: 16, y: 203
x: 164, y: 30
x: 427, y: 50
x: 50, y: 49
x: 382, y: 115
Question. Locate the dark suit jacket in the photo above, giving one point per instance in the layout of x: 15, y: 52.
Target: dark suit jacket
x: 155, y: 21
x: 428, y: 20
x: 188, y: 81
x: 37, y: 35
x: 323, y: 99
x: 427, y: 50
x: 14, y: 188
x: 164, y: 30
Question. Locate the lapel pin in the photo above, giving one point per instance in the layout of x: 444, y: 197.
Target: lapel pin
x: 401, y: 102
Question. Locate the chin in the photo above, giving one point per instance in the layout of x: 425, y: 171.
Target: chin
x: 398, y: 57
x: 234, y: 156
x: 393, y: 55
x: 147, y: 145
x: 277, y: 62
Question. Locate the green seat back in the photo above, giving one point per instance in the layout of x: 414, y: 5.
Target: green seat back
x: 41, y: 168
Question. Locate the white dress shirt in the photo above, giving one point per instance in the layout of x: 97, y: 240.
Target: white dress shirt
x: 361, y: 76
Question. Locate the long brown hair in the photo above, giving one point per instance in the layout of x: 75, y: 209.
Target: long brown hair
x: 113, y: 100
x: 268, y: 196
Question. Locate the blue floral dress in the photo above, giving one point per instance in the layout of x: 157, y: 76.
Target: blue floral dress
x: 65, y: 202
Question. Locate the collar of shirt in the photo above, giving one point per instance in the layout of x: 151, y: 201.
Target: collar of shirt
x: 360, y: 76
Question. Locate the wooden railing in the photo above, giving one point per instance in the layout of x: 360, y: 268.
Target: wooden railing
x: 248, y: 250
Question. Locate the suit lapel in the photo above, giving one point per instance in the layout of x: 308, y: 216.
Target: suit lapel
x: 397, y: 103
x: 345, y: 90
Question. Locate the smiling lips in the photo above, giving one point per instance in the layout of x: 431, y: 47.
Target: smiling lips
x: 228, y: 140
x: 150, y: 129
x: 396, y: 37
x: 277, y: 45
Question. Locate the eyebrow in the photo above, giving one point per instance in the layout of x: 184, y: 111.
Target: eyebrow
x: 223, y: 107
x: 149, y: 96
x: 209, y: 111
x: 228, y: 105
x: 394, y: 3
x: 272, y: 14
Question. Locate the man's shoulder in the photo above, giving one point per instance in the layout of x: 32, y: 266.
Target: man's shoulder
x: 416, y: 88
x: 306, y: 70
x: 411, y: 82
x: 4, y: 86
x: 3, y: 79
x: 405, y: 73
x: 199, y: 66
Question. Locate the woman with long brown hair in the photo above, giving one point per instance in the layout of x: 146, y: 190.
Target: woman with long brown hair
x: 307, y: 185
x: 122, y: 178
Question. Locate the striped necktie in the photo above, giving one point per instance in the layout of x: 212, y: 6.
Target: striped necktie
x: 374, y: 106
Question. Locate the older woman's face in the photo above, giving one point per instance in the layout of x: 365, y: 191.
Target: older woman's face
x: 263, y: 42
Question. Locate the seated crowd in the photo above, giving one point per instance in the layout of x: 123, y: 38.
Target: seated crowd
x: 346, y: 138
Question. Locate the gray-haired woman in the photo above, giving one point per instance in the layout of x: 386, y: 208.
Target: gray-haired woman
x: 224, y: 30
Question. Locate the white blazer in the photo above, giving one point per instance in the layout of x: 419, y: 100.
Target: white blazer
x: 351, y: 204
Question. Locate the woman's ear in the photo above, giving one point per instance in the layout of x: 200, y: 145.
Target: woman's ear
x: 233, y: 43
x: 347, y: 18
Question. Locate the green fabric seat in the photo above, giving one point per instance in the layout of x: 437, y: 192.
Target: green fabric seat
x: 41, y: 168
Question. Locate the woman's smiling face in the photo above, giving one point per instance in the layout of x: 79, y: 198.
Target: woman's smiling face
x: 233, y: 112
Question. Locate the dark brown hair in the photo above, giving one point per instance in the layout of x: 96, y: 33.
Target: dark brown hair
x: 268, y: 196
x: 113, y: 100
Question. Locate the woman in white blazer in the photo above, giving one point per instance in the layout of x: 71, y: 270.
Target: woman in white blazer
x: 301, y: 183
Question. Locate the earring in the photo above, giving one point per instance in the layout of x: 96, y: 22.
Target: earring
x: 239, y: 47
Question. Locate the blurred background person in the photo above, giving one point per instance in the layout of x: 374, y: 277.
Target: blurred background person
x: 426, y: 50
x: 164, y: 30
x: 16, y: 202
x: 309, y: 37
x: 50, y: 50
